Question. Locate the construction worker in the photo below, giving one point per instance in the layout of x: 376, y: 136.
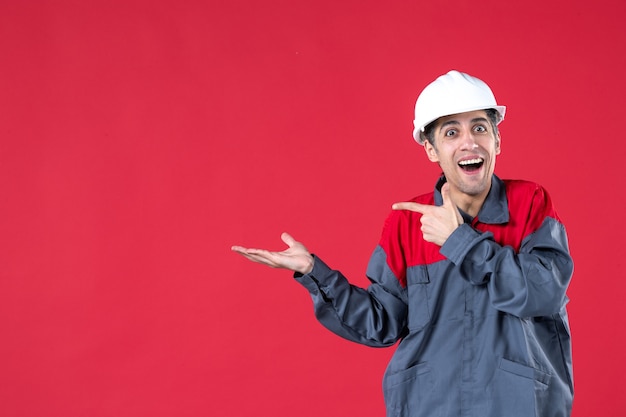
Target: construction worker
x: 470, y: 278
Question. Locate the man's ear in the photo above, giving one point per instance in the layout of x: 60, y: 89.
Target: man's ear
x: 431, y: 152
x: 498, y: 143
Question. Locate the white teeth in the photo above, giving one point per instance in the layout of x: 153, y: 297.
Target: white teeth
x: 471, y: 161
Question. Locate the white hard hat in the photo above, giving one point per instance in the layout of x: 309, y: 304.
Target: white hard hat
x: 452, y: 93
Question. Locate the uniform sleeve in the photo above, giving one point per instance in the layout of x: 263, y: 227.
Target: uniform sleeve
x: 529, y: 283
x: 375, y: 316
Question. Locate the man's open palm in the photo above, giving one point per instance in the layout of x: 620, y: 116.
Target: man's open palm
x: 296, y: 257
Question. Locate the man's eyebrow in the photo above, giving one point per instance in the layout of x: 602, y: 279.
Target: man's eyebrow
x: 448, y: 123
x: 456, y: 123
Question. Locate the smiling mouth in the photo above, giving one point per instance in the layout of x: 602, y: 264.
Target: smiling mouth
x: 471, y: 165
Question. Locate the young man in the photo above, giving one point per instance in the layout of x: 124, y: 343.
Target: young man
x: 470, y: 278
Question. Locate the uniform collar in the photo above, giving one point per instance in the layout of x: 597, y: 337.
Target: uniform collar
x: 495, y: 209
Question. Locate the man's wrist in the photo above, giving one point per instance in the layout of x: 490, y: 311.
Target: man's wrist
x: 308, y: 267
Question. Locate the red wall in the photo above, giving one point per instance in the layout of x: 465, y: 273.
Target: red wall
x: 139, y: 140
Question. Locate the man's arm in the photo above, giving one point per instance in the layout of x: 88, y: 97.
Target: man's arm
x: 375, y: 316
x: 530, y: 283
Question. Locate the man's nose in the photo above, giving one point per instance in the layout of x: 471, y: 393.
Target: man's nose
x: 468, y: 141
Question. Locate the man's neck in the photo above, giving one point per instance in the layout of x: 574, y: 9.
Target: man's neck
x: 470, y: 204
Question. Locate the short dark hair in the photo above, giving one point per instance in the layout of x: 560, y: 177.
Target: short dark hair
x: 428, y: 133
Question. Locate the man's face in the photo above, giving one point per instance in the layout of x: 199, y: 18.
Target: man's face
x: 466, y: 146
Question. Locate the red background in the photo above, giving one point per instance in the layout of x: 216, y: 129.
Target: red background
x: 141, y: 139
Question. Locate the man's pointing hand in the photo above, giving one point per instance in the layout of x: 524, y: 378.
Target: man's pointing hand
x: 438, y: 222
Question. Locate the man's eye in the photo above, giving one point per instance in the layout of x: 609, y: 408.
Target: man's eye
x: 480, y: 129
x: 450, y: 133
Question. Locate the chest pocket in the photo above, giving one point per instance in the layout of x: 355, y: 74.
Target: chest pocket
x: 418, y: 286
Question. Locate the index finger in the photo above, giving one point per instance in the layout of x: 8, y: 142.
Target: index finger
x: 411, y: 206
